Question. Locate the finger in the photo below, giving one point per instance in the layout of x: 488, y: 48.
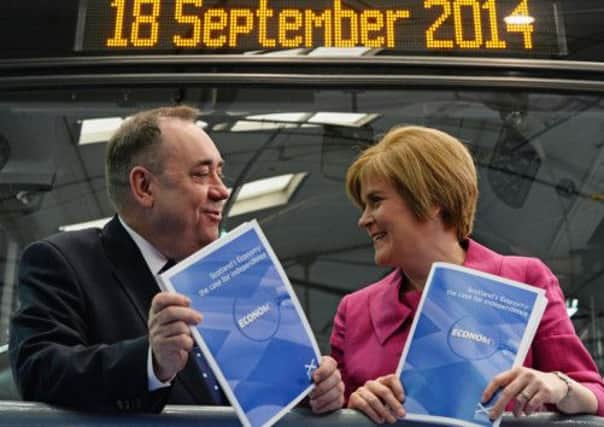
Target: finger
x: 332, y: 406
x: 511, y: 391
x: 358, y: 402
x: 525, y: 386
x: 524, y: 398
x: 496, y: 383
x: 536, y: 402
x: 374, y: 394
x: 519, y: 405
x: 176, y: 314
x: 520, y: 401
x: 489, y: 391
x: 173, y: 344
x: 329, y: 401
x: 387, y: 396
x: 170, y: 329
x: 165, y: 299
x: 536, y: 408
x: 326, y: 368
x: 393, y: 382
x: 176, y: 360
x: 168, y: 362
x: 329, y: 407
x: 327, y: 384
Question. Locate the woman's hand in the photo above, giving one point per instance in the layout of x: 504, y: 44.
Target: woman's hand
x: 328, y: 395
x: 380, y: 399
x: 531, y: 390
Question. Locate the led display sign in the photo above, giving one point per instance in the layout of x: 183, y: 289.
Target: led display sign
x: 510, y: 27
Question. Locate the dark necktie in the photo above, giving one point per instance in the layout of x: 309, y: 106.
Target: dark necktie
x: 169, y: 263
x: 208, y: 377
x: 201, y: 363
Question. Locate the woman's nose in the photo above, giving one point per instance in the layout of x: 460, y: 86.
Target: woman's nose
x: 365, y: 219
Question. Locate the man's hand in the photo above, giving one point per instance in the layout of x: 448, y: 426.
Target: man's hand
x: 169, y: 334
x: 380, y: 399
x: 328, y: 394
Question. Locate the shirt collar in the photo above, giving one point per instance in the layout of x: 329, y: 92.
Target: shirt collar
x: 154, y: 259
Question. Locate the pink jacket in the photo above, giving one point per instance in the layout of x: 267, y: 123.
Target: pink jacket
x: 371, y: 325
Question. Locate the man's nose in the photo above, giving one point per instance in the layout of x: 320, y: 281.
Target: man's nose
x: 219, y: 191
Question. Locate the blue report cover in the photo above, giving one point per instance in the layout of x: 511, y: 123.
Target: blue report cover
x: 254, y: 334
x: 469, y: 327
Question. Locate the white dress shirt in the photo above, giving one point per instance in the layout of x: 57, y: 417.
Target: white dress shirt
x: 155, y: 260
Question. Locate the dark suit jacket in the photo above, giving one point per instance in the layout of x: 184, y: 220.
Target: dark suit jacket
x: 79, y: 338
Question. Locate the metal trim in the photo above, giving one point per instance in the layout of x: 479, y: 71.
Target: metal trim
x: 254, y: 79
x: 412, y: 61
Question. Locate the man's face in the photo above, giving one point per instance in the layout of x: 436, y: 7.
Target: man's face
x: 189, y: 193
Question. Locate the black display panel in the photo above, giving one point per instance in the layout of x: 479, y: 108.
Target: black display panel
x: 518, y: 28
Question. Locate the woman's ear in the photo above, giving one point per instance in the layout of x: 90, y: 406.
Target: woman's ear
x: 140, y: 180
x: 435, y: 212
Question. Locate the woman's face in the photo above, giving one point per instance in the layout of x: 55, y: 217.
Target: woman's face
x: 396, y: 233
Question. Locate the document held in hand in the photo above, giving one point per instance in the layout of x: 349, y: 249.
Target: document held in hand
x: 254, y: 333
x: 469, y: 327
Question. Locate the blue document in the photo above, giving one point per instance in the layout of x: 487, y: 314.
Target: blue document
x: 469, y: 327
x: 254, y: 335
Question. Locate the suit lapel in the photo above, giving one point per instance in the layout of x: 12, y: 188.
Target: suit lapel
x: 140, y: 286
x: 482, y: 258
x: 385, y: 310
x: 130, y: 268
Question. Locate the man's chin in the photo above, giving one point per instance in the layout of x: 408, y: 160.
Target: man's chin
x: 209, y: 238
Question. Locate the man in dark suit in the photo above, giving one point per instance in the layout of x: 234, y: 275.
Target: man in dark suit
x: 93, y: 331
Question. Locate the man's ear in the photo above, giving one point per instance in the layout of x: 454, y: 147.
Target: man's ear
x: 141, y: 186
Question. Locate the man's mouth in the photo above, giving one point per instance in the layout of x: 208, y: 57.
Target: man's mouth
x: 215, y: 215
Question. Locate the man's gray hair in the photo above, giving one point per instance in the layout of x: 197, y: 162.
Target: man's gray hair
x: 136, y: 143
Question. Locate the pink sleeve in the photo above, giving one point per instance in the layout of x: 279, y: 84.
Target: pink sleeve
x: 556, y: 346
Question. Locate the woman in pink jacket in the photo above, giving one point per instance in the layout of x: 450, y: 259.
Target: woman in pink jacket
x: 417, y: 189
